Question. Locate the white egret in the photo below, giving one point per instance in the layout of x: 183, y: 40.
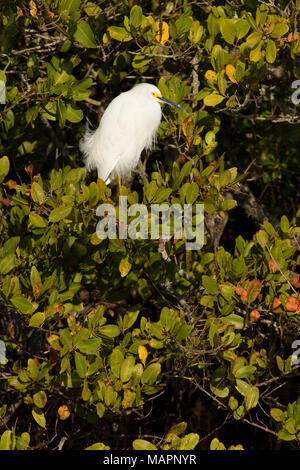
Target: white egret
x: 128, y: 125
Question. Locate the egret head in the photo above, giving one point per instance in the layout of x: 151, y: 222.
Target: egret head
x: 152, y: 91
x: 162, y: 99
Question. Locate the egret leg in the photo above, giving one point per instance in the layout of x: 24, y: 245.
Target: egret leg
x: 119, y: 183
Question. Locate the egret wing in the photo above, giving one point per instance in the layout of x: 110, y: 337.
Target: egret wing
x: 122, y: 135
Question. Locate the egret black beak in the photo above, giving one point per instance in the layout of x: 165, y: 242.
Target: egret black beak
x: 164, y: 100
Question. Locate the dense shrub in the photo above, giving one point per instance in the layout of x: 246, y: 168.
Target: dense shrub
x: 121, y: 343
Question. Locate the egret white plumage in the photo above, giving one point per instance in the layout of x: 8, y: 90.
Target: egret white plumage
x: 128, y: 125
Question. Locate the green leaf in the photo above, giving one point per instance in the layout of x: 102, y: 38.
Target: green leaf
x: 277, y: 414
x: 241, y: 27
x: 89, y: 346
x: 81, y: 90
x: 217, y: 384
x: 36, y: 220
x: 7, y: 263
x: 81, y: 364
x: 280, y: 363
x: 245, y: 371
x: 37, y: 319
x: 185, y: 170
x: 178, y: 428
x: 119, y: 34
x: 183, y: 332
x: 284, y: 224
x: 213, y: 25
x: 222, y: 82
x: 4, y: 167
x: 91, y: 9
x: 40, y: 399
x: 167, y: 318
x: 33, y: 369
x: 129, y: 397
x: 136, y: 16
x: 239, y: 413
x: 37, y: 193
x: 65, y: 337
x: 124, y: 266
x: 253, y: 39
x: 220, y: 390
x: 269, y: 228
x: 36, y: 283
x: 227, y: 292
x: 24, y: 305
x: 162, y: 195
x: 235, y: 320
x: 262, y: 238
x: 86, y: 392
x: 290, y: 425
x: 210, y: 285
x: 151, y: 191
x: 271, y: 51
x: 202, y: 93
x: 2, y: 76
x: 140, y: 61
x: 3, y: 410
x: 196, y: 32
x: 285, y: 435
x: 73, y: 112
x: 141, y: 444
x: 35, y: 277
x: 7, y: 440
x: 151, y: 373
x: 127, y: 368
x: 233, y: 403
x: 61, y: 113
x: 69, y: 8
x: 229, y: 204
x: 39, y: 417
x: 110, y: 330
x: 213, y: 99
x: 243, y: 387
x: 189, y: 442
x: 128, y: 320
x: 217, y: 445
x: 23, y: 441
x: 192, y: 193
x: 227, y: 30
x: 279, y: 30
x: 10, y: 245
x: 97, y: 446
x: 60, y: 213
x: 252, y: 398
x: 116, y: 361
x: 84, y: 34
x: 255, y: 54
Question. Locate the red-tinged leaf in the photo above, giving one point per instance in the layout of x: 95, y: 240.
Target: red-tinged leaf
x: 11, y: 184
x: 33, y: 8
x: 276, y: 303
x: 63, y: 412
x: 253, y: 290
x: 241, y: 292
x: 293, y: 304
x: 273, y: 265
x: 254, y: 316
x: 296, y: 282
